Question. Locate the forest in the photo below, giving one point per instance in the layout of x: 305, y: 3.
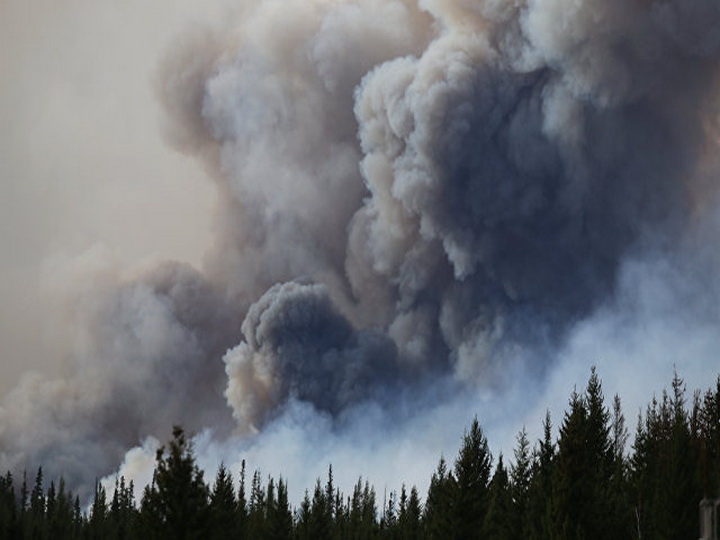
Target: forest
x: 588, y: 482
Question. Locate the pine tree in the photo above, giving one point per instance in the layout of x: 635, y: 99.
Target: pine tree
x: 223, y: 505
x: 342, y: 515
x: 572, y: 484
x: 36, y: 522
x: 60, y: 514
x: 472, y: 477
x: 98, y: 514
x: 710, y: 442
x: 150, y: 522
x: 78, y: 520
x: 664, y: 469
x: 680, y: 495
x: 538, y: 522
x: 500, y: 519
x: 409, y: 514
x: 520, y: 480
x: 182, y: 496
x: 412, y: 526
x: 8, y: 507
x: 122, y: 517
x: 270, y: 508
x: 24, y: 509
x: 257, y: 508
x: 622, y: 524
x: 603, y: 519
x: 280, y: 523
x: 330, y: 496
x: 302, y: 528
x: 389, y: 521
x: 438, y: 512
x: 320, y: 521
x: 362, y: 511
x: 241, y: 514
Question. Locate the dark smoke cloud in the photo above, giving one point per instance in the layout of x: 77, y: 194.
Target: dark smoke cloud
x: 430, y: 196
x: 533, y: 172
x: 297, y: 345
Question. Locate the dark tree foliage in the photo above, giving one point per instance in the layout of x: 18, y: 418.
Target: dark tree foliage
x: 669, y: 467
x: 520, y: 482
x: 538, y: 519
x: 223, y: 506
x: 241, y: 509
x: 584, y: 484
x: 472, y: 476
x: 409, y: 515
x: 499, y: 520
x: 179, y: 496
x: 584, y: 503
x: 8, y: 507
x: 437, y: 517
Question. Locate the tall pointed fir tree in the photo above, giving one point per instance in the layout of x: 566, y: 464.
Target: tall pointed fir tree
x: 472, y: 476
x: 241, y: 512
x: 539, y: 517
x: 572, y: 483
x: 520, y: 479
x: 438, y: 511
x: 181, y: 493
x: 500, y: 519
x: 223, y: 505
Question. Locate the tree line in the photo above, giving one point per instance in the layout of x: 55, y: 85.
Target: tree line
x: 582, y: 484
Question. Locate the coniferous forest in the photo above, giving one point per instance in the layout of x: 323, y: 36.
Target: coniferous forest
x: 591, y: 481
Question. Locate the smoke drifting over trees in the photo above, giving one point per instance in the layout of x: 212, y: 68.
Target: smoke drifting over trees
x: 411, y: 197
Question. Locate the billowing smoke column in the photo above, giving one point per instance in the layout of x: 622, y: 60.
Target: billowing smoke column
x: 407, y: 191
x: 298, y: 345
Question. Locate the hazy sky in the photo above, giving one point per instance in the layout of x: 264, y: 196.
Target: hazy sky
x: 82, y: 163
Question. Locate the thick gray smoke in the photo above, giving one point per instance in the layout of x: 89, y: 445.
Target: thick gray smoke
x: 142, y: 348
x: 412, y: 195
x: 297, y: 345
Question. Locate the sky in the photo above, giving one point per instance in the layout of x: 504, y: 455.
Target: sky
x: 84, y: 166
x: 339, y: 230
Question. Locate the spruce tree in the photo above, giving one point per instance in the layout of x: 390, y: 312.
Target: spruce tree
x: 302, y: 520
x: 472, y: 476
x: 182, y: 496
x: 710, y: 442
x: 438, y: 512
x: 223, y: 505
x: 389, y: 520
x: 241, y: 513
x: 257, y: 508
x: 98, y: 513
x: 320, y: 513
x: 409, y: 513
x: 8, y: 507
x: 520, y: 479
x: 36, y: 522
x: 622, y: 524
x: 60, y: 519
x: 680, y: 494
x: 538, y: 521
x: 412, y: 525
x: 500, y: 519
x: 572, y: 483
x: 280, y: 522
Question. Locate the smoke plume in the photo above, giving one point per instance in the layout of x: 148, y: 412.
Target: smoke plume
x: 422, y: 206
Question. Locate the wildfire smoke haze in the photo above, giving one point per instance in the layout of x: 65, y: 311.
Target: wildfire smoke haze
x: 423, y: 210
